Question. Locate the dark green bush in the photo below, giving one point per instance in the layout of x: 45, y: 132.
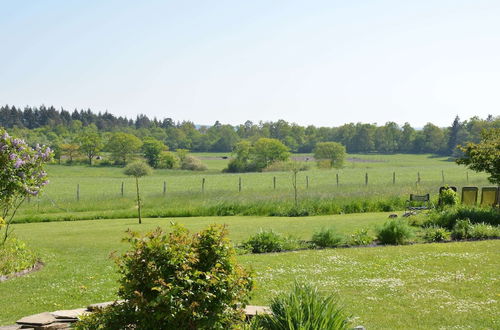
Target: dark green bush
x: 449, y: 217
x: 303, y: 308
x: 360, y: 237
x: 177, y: 281
x: 396, y: 231
x: 326, y: 238
x: 462, y: 229
x: 448, y: 197
x: 15, y: 256
x: 436, y: 234
x: 270, y: 241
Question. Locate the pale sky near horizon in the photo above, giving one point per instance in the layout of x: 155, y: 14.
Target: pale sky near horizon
x: 324, y: 63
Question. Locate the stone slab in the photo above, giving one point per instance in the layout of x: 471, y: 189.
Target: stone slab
x: 94, y: 307
x: 54, y: 326
x: 252, y: 310
x: 37, y: 319
x: 69, y: 314
x: 10, y: 327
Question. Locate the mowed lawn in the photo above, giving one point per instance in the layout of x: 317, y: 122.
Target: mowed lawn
x: 452, y: 285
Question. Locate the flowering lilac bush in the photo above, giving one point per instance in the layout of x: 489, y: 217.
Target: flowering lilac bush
x: 21, y: 175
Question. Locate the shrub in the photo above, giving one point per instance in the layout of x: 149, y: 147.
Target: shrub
x: 191, y: 163
x: 15, y: 256
x: 303, y: 308
x: 462, y: 229
x: 436, y: 234
x: 168, y: 160
x: 360, y: 237
x: 483, y: 230
x: 449, y: 217
x: 448, y: 197
x: 177, y: 281
x: 326, y: 238
x: 270, y: 241
x: 395, y: 231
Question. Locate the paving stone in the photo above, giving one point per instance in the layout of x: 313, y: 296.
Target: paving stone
x: 54, y: 326
x: 94, y: 307
x: 10, y: 327
x: 37, y: 319
x: 69, y: 314
x: 251, y: 310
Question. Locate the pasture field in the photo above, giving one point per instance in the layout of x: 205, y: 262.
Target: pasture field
x: 450, y: 285
x: 318, y: 193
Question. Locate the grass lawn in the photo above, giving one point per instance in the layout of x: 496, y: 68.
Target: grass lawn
x: 421, y: 286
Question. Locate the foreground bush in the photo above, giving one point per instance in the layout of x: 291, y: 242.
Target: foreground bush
x: 303, y: 308
x: 483, y: 230
x: 177, y: 281
x: 326, y: 238
x: 462, y: 229
x: 395, y: 231
x: 270, y: 241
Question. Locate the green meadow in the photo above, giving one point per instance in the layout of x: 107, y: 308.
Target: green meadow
x: 422, y: 286
x: 82, y: 192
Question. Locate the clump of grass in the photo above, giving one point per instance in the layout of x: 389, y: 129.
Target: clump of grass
x: 270, y: 241
x: 326, y: 237
x: 303, y: 308
x: 436, y: 234
x: 395, y: 232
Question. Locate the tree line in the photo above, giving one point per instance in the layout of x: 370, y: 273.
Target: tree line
x: 53, y: 127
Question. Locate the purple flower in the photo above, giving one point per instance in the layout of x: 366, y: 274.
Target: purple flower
x: 12, y: 156
x: 18, y: 163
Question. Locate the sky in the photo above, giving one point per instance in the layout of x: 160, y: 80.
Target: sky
x: 322, y: 63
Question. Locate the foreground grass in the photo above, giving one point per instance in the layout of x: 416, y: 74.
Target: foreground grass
x: 427, y: 286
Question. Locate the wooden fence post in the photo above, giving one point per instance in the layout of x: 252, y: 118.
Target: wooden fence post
x: 337, y: 176
x: 366, y: 178
x: 239, y: 184
x: 418, y: 177
x: 121, y: 190
x: 467, y: 173
x: 393, y: 177
x: 164, y: 187
x: 442, y: 175
x: 203, y: 185
x: 78, y: 192
x: 307, y: 181
x: 274, y: 182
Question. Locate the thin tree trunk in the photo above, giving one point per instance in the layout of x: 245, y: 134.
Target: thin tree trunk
x: 138, y: 199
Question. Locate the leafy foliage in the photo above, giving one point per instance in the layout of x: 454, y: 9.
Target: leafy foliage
x: 396, y: 231
x: 137, y: 169
x: 177, y: 281
x: 448, y: 197
x: 333, y: 152
x: 255, y: 157
x: 462, y: 229
x: 436, y: 234
x: 122, y: 146
x: 15, y: 256
x: 360, y: 237
x: 484, y: 156
x: 304, y: 308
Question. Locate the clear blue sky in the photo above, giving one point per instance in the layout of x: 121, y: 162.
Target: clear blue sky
x: 310, y: 62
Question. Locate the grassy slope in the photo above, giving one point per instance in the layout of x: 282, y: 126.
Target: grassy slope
x: 100, y: 187
x: 438, y: 284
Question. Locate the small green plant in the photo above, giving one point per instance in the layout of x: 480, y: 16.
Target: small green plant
x: 360, y: 237
x: 436, y: 234
x: 395, y: 231
x: 15, y: 256
x: 270, y: 241
x: 326, y: 238
x: 462, y: 229
x: 177, y: 281
x: 448, y: 197
x: 303, y: 308
x: 483, y: 230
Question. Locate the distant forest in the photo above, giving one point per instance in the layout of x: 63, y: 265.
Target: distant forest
x: 49, y: 126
